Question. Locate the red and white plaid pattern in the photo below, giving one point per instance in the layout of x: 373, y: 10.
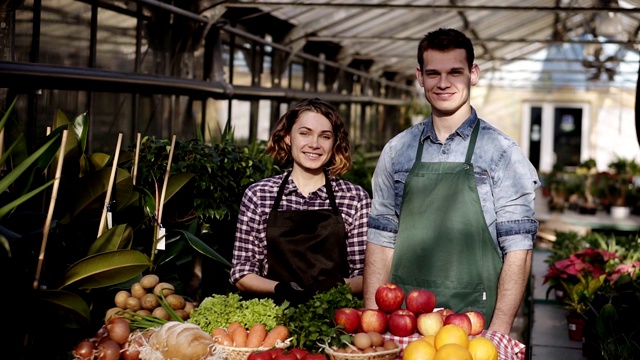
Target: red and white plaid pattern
x: 508, y: 348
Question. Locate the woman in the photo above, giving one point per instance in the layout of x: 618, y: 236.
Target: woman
x: 303, y: 231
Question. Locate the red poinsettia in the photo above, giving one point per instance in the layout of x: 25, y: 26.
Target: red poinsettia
x: 589, y: 262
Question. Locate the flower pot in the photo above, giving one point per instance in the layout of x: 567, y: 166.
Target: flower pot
x: 575, y: 325
x: 620, y: 212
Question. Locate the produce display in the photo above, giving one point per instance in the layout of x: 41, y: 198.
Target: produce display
x: 145, y: 298
x: 333, y: 325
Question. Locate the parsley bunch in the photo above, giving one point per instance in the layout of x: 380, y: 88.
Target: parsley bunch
x: 311, y: 324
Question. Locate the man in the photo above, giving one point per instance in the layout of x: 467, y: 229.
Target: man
x: 453, y: 198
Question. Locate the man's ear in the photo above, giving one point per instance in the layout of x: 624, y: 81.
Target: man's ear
x: 475, y: 74
x: 419, y: 77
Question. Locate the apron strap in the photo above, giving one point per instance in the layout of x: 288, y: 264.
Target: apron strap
x: 472, y: 142
x: 470, y: 148
x: 327, y: 185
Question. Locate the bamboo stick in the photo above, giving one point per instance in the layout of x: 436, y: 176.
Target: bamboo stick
x: 158, y: 231
x: 107, y: 199
x: 52, y: 203
x: 134, y: 171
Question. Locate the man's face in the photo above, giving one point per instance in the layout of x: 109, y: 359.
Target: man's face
x: 447, y: 80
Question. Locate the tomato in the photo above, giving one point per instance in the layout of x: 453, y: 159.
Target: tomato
x: 317, y: 356
x: 285, y: 356
x: 260, y: 355
x: 275, y: 352
x: 299, y: 353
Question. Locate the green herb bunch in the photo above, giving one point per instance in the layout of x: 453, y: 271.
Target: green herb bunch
x: 311, y: 324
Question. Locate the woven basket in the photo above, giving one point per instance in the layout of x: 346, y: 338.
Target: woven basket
x: 380, y: 355
x: 242, y: 353
x: 236, y: 353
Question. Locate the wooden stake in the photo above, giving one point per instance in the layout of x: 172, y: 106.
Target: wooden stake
x: 107, y: 200
x: 166, y: 179
x: 52, y: 204
x: 134, y: 171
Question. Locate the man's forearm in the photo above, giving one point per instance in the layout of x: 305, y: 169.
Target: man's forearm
x: 511, y: 287
x: 377, y: 269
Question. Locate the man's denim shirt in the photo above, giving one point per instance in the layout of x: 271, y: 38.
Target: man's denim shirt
x: 505, y: 178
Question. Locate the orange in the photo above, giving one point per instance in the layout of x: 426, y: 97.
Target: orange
x: 419, y: 350
x: 453, y: 352
x: 429, y: 338
x: 482, y: 348
x: 451, y: 334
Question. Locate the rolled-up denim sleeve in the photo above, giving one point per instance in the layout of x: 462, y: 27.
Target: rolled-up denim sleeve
x: 383, y: 219
x: 515, y: 184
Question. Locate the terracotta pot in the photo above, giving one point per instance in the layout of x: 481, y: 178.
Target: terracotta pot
x: 575, y: 325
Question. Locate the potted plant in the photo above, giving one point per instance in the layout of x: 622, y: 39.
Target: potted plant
x: 623, y: 171
x: 580, y: 295
x: 587, y: 171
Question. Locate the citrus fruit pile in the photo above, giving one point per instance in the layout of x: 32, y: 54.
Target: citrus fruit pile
x: 451, y: 343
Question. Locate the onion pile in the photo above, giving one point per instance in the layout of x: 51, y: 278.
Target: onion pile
x: 113, y: 341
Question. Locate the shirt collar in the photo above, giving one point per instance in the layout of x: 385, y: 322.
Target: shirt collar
x: 291, y: 188
x: 463, y: 131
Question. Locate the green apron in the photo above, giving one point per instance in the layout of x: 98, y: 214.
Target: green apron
x: 443, y: 243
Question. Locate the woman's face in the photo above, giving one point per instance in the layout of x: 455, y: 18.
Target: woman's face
x: 311, y: 140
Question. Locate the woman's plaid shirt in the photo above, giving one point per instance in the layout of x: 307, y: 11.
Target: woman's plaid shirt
x: 250, y: 248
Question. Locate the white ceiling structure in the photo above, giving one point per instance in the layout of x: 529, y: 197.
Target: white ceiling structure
x: 584, y: 42
x: 519, y: 43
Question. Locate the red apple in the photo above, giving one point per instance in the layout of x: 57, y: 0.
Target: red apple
x: 477, y: 322
x: 349, y: 318
x: 460, y: 319
x: 373, y: 320
x: 402, y: 322
x: 445, y: 312
x: 420, y: 301
x: 389, y: 297
x: 430, y: 323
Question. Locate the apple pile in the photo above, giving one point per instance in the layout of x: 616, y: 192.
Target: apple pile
x: 417, y: 316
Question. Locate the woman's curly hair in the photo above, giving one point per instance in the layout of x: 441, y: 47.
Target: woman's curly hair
x: 340, y: 160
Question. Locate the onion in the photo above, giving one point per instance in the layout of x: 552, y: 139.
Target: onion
x: 108, y: 350
x: 85, y: 350
x: 119, y: 330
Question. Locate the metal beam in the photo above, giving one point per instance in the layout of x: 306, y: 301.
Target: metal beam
x: 370, y: 6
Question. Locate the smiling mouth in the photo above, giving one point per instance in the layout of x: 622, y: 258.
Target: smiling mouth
x: 312, y: 155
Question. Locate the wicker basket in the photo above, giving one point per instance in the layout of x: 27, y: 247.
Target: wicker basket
x: 242, y: 353
x: 236, y: 353
x: 380, y: 355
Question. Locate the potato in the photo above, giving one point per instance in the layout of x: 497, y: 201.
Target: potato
x: 183, y: 314
x: 111, y: 313
x: 188, y: 307
x: 149, y: 302
x: 133, y: 303
x: 138, y: 291
x: 121, y: 299
x: 175, y: 301
x: 161, y: 313
x: 143, y: 312
x: 149, y: 281
x: 166, y: 288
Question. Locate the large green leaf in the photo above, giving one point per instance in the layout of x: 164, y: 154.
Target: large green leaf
x: 106, y: 269
x: 93, y: 187
x: 118, y: 237
x: 5, y: 117
x: 61, y: 308
x: 12, y: 176
x: 176, y: 182
x: 203, y: 248
x: 15, y: 203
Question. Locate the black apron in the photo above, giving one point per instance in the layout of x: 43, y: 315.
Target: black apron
x: 443, y: 243
x: 306, y: 246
